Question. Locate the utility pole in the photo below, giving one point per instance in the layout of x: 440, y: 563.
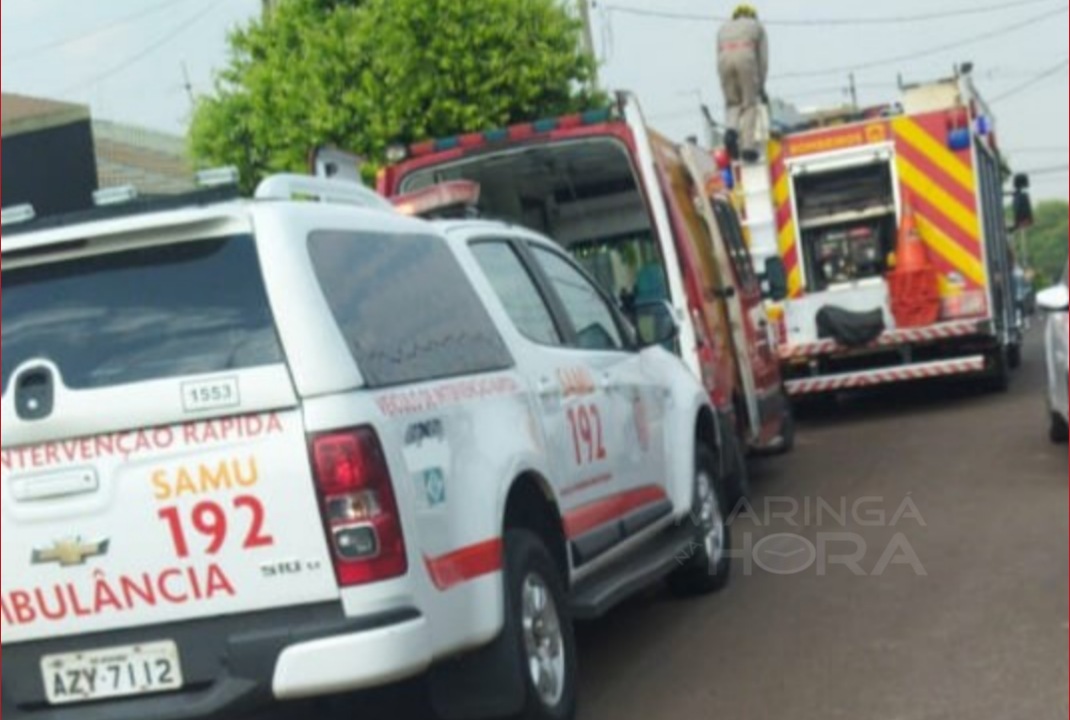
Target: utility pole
x: 854, y: 92
x: 588, y: 34
x: 187, y: 85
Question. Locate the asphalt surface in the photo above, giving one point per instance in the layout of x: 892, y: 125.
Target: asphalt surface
x: 965, y: 495
x: 981, y: 498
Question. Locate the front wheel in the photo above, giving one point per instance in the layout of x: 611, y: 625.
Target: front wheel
x: 538, y: 615
x: 707, y: 566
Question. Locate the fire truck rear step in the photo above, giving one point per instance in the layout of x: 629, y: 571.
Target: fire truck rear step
x: 886, y: 376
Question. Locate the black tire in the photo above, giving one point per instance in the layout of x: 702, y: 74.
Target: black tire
x: 787, y: 430
x: 1014, y: 357
x: 527, y: 559
x: 1060, y: 432
x: 699, y: 574
x: 735, y: 475
x: 739, y: 473
x: 998, y: 370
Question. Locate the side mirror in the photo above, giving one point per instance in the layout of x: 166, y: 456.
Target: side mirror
x: 1023, y: 203
x: 1054, y: 300
x: 775, y: 280
x: 656, y: 324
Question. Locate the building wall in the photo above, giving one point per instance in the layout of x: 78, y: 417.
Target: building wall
x: 53, y: 169
x: 155, y: 163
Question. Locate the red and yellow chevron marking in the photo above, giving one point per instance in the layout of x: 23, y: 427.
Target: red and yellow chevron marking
x: 785, y: 219
x: 942, y: 185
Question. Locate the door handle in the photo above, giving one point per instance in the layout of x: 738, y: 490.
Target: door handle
x: 55, y: 487
x: 548, y: 389
x: 609, y: 385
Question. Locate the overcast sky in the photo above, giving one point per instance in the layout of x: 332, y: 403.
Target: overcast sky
x: 126, y: 58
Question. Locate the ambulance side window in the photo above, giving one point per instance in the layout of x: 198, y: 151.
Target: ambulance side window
x: 592, y: 318
x: 517, y: 291
x: 405, y: 308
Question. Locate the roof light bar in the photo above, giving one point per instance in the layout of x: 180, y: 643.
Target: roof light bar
x: 514, y: 133
x: 18, y: 215
x: 291, y: 188
x: 218, y: 177
x: 109, y: 197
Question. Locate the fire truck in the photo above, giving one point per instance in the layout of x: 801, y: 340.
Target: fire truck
x: 825, y: 217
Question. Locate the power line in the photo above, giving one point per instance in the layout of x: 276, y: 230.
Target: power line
x: 836, y: 89
x: 134, y: 17
x: 826, y: 22
x: 1036, y: 80
x: 146, y: 51
x: 1054, y: 170
x: 1007, y: 30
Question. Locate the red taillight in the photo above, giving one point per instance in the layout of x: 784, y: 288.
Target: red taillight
x: 359, y: 508
x: 968, y: 304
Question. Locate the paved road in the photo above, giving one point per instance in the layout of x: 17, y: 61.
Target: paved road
x: 969, y: 620
x: 981, y: 635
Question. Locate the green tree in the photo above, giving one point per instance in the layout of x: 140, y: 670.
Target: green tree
x: 364, y: 74
x: 1048, y: 240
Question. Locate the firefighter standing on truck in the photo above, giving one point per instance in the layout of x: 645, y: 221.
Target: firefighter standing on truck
x: 743, y: 63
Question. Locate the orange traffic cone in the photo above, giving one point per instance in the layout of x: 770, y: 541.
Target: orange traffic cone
x: 910, y: 252
x: 913, y: 284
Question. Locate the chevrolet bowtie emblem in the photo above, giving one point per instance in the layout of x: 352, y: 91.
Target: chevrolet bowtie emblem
x: 71, y: 553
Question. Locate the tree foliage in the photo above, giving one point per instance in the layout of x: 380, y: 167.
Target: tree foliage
x: 364, y: 74
x: 1048, y: 240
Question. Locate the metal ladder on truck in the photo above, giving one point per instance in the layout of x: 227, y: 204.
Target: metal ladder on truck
x: 759, y: 216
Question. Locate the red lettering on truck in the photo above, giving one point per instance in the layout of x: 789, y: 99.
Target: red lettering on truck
x: 173, y: 586
x: 9, y: 619
x: 139, y: 442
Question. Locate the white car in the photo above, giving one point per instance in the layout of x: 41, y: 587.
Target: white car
x: 273, y: 450
x: 1055, y: 302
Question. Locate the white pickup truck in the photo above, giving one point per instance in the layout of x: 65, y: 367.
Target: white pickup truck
x: 269, y: 450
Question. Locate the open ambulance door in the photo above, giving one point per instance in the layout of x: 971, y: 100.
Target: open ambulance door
x: 744, y: 338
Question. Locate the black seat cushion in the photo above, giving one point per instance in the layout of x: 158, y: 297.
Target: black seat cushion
x: 851, y: 329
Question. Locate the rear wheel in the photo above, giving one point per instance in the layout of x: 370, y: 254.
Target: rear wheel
x: 1014, y: 357
x: 1060, y: 432
x: 998, y: 370
x: 538, y: 615
x: 786, y: 444
x: 735, y: 475
x: 707, y: 567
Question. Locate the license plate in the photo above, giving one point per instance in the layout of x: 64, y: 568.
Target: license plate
x: 113, y: 673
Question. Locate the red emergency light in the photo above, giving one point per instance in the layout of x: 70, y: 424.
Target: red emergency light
x: 516, y: 133
x: 454, y: 195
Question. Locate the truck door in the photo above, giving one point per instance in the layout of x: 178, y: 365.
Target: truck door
x: 751, y: 305
x: 588, y: 383
x: 740, y: 290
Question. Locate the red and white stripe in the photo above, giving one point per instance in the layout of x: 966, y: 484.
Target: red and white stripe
x: 887, y: 376
x: 893, y: 338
